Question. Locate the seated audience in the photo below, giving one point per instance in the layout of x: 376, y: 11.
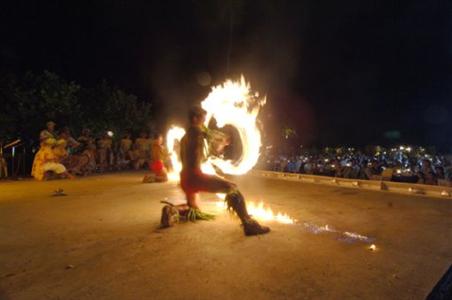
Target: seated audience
x: 141, y: 151
x: 104, y: 153
x: 124, y: 152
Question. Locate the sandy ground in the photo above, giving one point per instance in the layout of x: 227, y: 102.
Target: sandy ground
x: 102, y: 242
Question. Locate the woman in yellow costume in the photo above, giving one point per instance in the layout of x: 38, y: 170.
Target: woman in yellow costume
x: 46, y: 160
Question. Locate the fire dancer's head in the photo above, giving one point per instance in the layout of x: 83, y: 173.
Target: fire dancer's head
x: 197, y: 116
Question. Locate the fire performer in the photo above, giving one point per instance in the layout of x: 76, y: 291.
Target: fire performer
x: 193, y: 181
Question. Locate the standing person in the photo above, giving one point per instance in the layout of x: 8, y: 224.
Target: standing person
x: 141, y: 153
x: 193, y: 180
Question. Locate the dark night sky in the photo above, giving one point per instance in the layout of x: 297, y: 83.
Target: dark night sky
x: 337, y: 71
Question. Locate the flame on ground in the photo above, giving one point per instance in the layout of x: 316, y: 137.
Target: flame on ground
x: 260, y: 212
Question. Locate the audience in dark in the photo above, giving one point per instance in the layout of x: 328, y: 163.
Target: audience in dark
x: 401, y: 164
x: 87, y: 154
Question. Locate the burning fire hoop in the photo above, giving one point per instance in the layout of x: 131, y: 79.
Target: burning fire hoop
x: 231, y: 103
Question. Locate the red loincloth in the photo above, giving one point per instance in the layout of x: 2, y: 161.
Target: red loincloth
x: 196, y: 181
x: 157, y: 167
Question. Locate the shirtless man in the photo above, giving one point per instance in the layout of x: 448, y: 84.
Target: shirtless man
x: 193, y: 180
x: 158, y: 157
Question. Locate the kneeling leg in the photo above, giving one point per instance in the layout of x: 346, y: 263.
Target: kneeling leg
x: 236, y: 202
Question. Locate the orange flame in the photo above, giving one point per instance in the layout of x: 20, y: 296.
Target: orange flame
x: 173, y: 137
x: 260, y: 212
x: 231, y: 103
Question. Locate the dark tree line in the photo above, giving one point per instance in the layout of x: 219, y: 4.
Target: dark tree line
x: 28, y: 101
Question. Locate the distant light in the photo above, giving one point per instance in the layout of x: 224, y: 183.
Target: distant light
x: 408, y: 149
x: 110, y: 133
x: 399, y: 171
x: 372, y: 247
x: 401, y: 148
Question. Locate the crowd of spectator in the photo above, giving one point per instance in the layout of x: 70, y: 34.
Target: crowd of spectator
x: 62, y: 155
x: 401, y: 164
